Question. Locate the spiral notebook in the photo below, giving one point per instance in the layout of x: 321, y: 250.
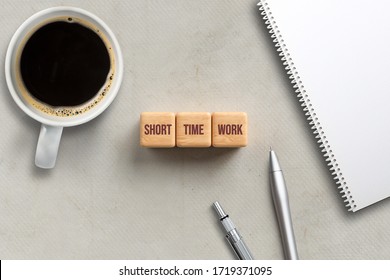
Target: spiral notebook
x: 337, y: 54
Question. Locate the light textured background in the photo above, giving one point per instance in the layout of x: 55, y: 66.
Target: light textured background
x: 108, y: 198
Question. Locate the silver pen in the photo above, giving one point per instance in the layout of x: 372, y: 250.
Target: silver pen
x: 282, y: 208
x: 232, y: 234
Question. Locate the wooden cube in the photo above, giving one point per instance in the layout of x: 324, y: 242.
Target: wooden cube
x: 193, y: 129
x: 157, y: 129
x: 230, y: 129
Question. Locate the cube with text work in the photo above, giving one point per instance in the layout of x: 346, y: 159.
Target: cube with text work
x: 157, y: 129
x: 229, y: 129
x: 193, y: 129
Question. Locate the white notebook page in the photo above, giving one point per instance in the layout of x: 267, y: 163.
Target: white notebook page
x: 341, y: 52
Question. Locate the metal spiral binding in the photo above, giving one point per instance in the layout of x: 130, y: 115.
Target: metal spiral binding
x: 306, y: 104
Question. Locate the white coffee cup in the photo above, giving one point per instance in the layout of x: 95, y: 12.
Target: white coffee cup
x: 52, y: 124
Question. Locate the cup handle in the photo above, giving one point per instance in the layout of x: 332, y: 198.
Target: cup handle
x: 47, y: 147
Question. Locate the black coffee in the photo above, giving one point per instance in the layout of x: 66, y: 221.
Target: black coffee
x: 64, y: 64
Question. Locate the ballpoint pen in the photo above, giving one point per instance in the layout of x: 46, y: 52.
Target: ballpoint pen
x: 232, y: 234
x: 282, y: 208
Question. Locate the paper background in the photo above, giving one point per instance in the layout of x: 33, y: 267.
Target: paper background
x: 108, y: 198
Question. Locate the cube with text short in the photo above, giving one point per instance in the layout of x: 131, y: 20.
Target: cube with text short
x: 193, y: 129
x: 229, y: 129
x: 157, y: 129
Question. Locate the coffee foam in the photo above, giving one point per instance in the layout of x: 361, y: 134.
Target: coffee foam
x: 65, y: 111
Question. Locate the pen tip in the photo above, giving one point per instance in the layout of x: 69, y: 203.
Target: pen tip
x: 274, y: 163
x: 270, y: 148
x: 219, y: 210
